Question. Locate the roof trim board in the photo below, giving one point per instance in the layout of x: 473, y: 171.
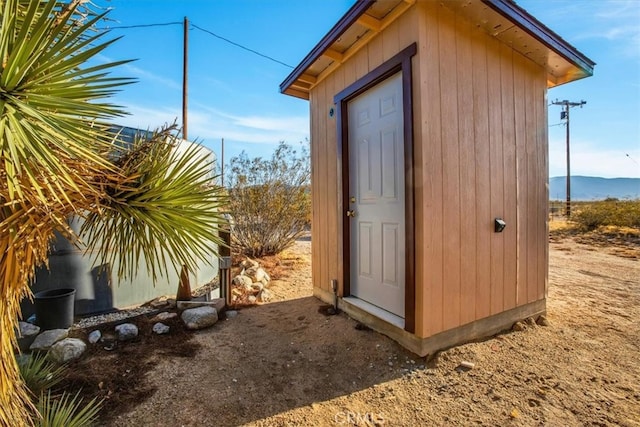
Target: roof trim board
x: 352, y: 15
x: 300, y: 81
x: 541, y: 32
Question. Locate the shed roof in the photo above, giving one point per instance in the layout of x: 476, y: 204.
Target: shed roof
x: 502, y: 19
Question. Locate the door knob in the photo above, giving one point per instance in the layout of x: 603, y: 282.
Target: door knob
x: 351, y: 213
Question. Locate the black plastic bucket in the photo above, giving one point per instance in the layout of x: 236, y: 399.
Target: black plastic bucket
x: 54, y: 308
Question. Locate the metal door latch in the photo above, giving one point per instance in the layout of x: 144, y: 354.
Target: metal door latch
x: 351, y: 213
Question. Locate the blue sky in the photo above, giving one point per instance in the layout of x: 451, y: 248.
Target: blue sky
x: 234, y: 94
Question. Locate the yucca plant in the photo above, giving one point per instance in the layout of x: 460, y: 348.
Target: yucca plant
x: 39, y: 374
x: 162, y: 207
x: 57, y: 160
x: 66, y: 411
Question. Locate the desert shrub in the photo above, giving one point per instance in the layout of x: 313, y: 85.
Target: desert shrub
x: 269, y: 200
x: 611, y: 212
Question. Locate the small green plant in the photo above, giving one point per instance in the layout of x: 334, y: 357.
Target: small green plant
x: 66, y: 411
x: 38, y: 373
x: 269, y: 200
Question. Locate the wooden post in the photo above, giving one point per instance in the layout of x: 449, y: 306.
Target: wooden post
x: 225, y: 263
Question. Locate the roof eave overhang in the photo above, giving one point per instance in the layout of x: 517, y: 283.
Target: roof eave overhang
x: 352, y: 15
x: 300, y: 82
x: 546, y: 36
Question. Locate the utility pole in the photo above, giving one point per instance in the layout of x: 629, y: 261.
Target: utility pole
x: 185, y: 60
x: 564, y: 115
x: 222, y: 164
x: 184, y: 285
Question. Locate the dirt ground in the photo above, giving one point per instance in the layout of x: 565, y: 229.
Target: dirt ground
x: 287, y: 364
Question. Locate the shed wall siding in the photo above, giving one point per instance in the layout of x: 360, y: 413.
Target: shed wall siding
x: 483, y: 155
x: 480, y: 152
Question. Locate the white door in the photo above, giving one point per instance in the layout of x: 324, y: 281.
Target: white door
x: 376, y: 199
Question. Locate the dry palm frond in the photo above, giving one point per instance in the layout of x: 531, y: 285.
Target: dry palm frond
x: 50, y: 146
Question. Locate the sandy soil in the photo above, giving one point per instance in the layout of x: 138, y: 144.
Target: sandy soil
x: 287, y: 364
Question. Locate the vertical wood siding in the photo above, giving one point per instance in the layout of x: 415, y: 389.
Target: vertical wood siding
x: 449, y: 121
x: 483, y: 176
x: 428, y: 91
x: 484, y: 155
x: 480, y: 152
x: 468, y: 198
x: 334, y: 188
x: 315, y: 142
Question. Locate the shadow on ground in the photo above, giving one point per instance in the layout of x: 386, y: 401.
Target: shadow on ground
x: 267, y: 360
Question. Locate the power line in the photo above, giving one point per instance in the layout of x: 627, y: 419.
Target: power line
x: 164, y: 24
x: 241, y: 46
x: 119, y: 27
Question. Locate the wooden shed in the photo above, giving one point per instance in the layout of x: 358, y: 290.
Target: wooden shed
x: 430, y: 165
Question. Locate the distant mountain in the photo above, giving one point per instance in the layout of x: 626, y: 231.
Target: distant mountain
x: 594, y: 188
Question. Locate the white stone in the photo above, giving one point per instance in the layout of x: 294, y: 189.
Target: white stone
x: 259, y: 274
x: 27, y: 332
x: 241, y: 280
x: 262, y: 276
x: 249, y: 263
x: 160, y: 328
x: 200, y: 317
x: 158, y: 303
x: 467, y: 365
x: 67, y: 349
x: 265, y: 295
x: 45, y: 340
x: 28, y: 329
x: 127, y: 331
x: 165, y: 315
x: 95, y: 336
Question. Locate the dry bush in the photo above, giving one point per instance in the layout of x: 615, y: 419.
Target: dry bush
x: 609, y: 212
x: 269, y: 200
